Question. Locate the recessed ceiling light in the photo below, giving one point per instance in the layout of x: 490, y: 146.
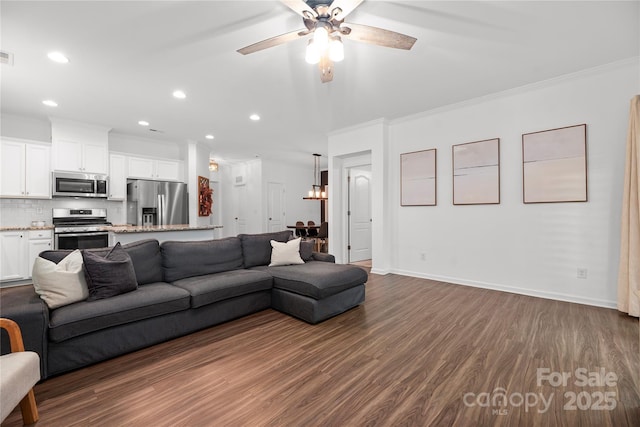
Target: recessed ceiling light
x: 179, y: 94
x: 143, y: 123
x: 254, y: 117
x: 209, y: 136
x: 50, y: 103
x: 58, y: 57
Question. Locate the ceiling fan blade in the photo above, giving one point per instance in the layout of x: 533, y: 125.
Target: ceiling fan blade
x: 326, y: 69
x: 301, y: 8
x: 347, y: 7
x: 378, y: 36
x: 273, y: 41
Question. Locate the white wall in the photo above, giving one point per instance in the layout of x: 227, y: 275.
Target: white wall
x: 197, y: 164
x: 533, y: 249
x: 297, y: 180
x: 370, y: 139
x: 140, y: 146
x: 241, y: 201
x: 62, y: 129
x: 25, y: 127
x: 529, y: 249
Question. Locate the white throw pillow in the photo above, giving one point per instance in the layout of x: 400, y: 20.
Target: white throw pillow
x: 285, y: 253
x: 60, y: 284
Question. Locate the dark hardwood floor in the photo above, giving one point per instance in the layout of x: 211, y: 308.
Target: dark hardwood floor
x: 416, y: 353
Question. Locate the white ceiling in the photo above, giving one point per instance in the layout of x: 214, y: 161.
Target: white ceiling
x: 128, y: 56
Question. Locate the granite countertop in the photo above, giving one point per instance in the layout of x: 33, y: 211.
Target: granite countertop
x: 26, y: 228
x: 158, y: 228
x: 125, y: 228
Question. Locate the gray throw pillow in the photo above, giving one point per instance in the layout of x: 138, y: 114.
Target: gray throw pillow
x: 110, y: 275
x: 306, y: 249
x: 256, y: 248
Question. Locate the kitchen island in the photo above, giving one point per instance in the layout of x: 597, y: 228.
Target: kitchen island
x: 132, y: 233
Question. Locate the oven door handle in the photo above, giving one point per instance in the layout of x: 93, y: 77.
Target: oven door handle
x: 89, y: 233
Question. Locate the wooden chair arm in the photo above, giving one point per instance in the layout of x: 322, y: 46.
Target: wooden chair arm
x: 15, y: 336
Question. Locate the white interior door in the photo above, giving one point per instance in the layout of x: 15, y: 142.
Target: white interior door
x: 360, y: 214
x: 275, y: 207
x: 242, y: 208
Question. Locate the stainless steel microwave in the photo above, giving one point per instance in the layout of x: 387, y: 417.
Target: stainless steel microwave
x: 70, y: 184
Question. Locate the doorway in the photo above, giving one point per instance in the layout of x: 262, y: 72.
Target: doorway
x: 359, y: 214
x: 275, y: 207
x: 242, y: 209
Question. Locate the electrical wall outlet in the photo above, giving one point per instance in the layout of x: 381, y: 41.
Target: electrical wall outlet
x: 582, y: 273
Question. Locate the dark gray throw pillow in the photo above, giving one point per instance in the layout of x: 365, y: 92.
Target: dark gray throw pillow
x: 110, y: 275
x: 306, y: 249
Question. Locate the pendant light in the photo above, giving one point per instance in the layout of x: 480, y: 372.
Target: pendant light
x: 316, y: 192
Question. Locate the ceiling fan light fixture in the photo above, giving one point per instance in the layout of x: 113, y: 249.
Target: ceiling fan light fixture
x: 321, y: 37
x: 336, y: 49
x: 312, y: 55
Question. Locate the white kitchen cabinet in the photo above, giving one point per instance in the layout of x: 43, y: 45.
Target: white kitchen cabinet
x: 79, y: 147
x: 13, y: 255
x: 94, y: 157
x: 167, y: 170
x: 78, y: 156
x: 141, y: 168
x: 117, y: 177
x: 39, y: 240
x: 25, y: 170
x: 146, y: 168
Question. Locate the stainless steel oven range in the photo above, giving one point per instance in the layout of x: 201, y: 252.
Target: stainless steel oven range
x: 80, y: 228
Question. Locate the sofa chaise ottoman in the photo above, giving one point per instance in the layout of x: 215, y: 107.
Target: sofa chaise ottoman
x: 182, y: 287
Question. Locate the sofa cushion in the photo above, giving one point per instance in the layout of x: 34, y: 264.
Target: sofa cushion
x: 110, y: 275
x: 62, y: 283
x: 145, y: 255
x: 188, y: 259
x: 147, y: 260
x: 154, y: 299
x: 224, y: 285
x: 316, y: 279
x: 256, y: 248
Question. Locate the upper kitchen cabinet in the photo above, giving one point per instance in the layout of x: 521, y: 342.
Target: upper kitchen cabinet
x: 77, y: 156
x: 117, y: 177
x: 25, y: 169
x: 79, y: 147
x: 156, y: 169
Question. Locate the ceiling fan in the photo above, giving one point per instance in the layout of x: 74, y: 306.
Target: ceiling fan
x: 325, y: 20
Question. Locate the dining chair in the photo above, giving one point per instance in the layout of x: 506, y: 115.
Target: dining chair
x: 312, y: 232
x: 19, y: 372
x: 301, y: 231
x: 323, y: 235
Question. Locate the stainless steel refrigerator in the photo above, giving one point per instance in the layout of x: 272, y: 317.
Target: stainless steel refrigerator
x: 157, y: 202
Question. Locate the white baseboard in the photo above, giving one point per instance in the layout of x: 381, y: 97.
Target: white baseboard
x: 381, y: 272
x: 513, y: 289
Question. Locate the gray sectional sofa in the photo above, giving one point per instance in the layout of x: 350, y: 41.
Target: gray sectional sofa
x: 182, y: 287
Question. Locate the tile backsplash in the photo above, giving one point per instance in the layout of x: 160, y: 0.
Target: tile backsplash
x: 20, y: 212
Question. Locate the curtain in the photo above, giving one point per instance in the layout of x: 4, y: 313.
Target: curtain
x: 629, y: 269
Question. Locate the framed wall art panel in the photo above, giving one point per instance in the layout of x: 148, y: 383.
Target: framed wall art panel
x: 554, y: 165
x: 418, y: 178
x: 476, y: 172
